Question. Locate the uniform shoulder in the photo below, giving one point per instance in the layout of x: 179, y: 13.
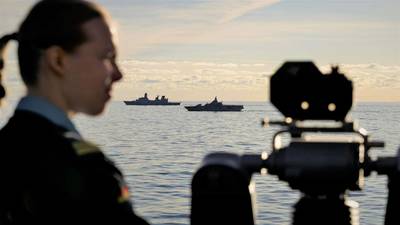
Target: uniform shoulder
x: 80, y: 146
x: 23, y: 121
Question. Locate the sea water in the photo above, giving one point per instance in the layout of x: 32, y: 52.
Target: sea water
x: 159, y: 148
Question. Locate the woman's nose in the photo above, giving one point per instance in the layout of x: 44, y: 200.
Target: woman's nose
x: 116, y: 75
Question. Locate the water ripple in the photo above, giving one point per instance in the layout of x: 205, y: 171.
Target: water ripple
x: 159, y: 148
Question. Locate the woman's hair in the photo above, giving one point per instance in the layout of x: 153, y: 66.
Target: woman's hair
x: 50, y: 23
x: 3, y: 42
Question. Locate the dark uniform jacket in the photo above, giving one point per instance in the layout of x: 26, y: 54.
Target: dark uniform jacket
x: 49, y: 175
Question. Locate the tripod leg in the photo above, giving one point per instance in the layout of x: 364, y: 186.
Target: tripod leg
x: 393, y: 203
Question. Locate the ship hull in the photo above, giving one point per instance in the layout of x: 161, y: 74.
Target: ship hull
x: 150, y: 103
x: 225, y: 108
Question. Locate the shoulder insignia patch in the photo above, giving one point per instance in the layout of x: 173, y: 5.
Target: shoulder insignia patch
x: 124, y: 195
x: 83, y: 148
x: 72, y: 135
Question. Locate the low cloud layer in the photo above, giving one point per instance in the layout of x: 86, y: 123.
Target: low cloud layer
x: 209, y: 76
x: 186, y: 80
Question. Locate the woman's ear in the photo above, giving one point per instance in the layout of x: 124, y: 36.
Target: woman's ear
x: 55, y: 57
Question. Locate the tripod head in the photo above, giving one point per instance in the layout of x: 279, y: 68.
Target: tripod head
x: 327, y: 154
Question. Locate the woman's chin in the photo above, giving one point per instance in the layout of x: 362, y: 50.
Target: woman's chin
x: 95, y: 110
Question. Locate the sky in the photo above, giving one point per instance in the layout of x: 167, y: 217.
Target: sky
x: 194, y: 50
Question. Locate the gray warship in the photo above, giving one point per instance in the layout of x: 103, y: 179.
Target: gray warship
x: 146, y: 101
x: 215, y: 106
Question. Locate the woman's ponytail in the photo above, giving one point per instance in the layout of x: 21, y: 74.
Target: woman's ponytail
x: 3, y: 43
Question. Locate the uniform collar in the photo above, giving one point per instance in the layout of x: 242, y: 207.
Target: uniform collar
x: 46, y: 109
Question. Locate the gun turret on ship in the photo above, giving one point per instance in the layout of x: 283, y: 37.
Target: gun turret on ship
x: 215, y: 106
x: 146, y: 101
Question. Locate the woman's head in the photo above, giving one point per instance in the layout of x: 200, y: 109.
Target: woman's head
x: 66, y: 52
x: 51, y: 23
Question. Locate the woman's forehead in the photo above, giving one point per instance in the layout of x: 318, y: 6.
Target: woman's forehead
x: 98, y: 31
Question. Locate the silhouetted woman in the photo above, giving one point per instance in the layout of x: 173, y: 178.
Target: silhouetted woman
x: 49, y: 174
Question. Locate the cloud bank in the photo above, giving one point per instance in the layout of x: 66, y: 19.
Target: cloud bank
x: 371, y: 81
x: 195, y: 80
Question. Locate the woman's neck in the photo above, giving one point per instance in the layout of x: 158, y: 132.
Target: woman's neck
x: 53, y: 96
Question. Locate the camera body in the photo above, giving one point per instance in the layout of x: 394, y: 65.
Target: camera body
x: 301, y: 92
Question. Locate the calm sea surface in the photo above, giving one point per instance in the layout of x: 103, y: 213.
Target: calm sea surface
x: 160, y: 147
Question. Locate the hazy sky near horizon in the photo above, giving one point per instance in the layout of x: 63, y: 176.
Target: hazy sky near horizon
x: 198, y: 49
